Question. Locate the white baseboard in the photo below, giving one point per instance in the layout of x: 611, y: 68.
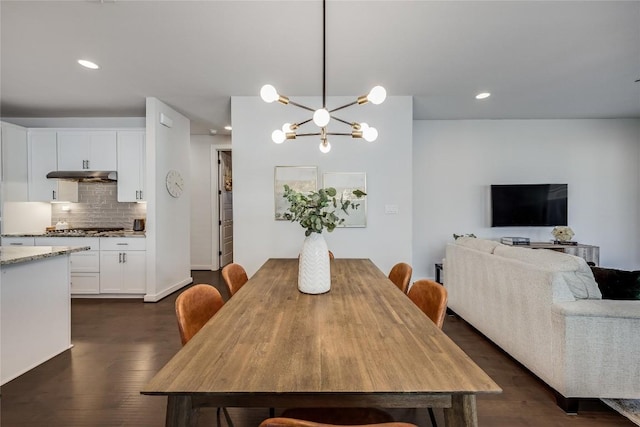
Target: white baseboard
x: 207, y: 267
x: 171, y: 289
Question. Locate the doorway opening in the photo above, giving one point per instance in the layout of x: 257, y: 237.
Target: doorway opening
x: 225, y: 208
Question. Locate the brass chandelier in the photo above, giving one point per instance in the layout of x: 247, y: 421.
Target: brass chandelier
x: 322, y: 116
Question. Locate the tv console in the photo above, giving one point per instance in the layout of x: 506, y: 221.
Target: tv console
x: 589, y: 252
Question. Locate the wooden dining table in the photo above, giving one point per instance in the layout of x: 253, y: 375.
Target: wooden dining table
x: 364, y: 343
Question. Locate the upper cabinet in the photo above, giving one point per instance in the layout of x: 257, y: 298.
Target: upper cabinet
x: 14, y: 163
x: 87, y: 150
x: 42, y: 160
x: 131, y: 166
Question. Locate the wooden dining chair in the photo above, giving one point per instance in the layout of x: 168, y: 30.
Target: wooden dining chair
x: 194, y: 307
x: 292, y: 422
x: 400, y: 274
x: 234, y: 277
x: 431, y: 297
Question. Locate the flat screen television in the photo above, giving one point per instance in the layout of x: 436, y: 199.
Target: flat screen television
x: 528, y: 205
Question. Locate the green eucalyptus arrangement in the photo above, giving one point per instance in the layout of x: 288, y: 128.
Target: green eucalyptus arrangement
x: 316, y: 210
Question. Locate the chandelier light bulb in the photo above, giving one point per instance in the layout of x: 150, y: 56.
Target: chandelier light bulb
x: 269, y: 93
x: 325, y: 146
x: 278, y: 136
x: 286, y: 128
x: 377, y: 95
x: 363, y: 127
x: 370, y: 134
x: 321, y: 117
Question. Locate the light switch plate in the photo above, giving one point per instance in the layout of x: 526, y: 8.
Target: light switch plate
x: 390, y: 209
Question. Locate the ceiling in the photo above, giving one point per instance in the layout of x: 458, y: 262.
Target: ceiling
x: 539, y: 59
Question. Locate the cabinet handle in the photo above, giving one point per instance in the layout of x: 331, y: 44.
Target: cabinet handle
x: 16, y: 244
x: 124, y: 257
x: 137, y: 195
x: 87, y: 164
x: 53, y: 194
x: 141, y: 198
x: 122, y: 244
x: 119, y: 257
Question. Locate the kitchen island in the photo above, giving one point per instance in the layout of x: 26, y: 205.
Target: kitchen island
x: 35, y: 306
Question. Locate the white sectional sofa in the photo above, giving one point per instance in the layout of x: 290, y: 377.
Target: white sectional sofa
x: 544, y: 308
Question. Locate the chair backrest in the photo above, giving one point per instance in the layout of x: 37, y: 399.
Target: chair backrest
x: 331, y: 255
x: 431, y: 297
x: 400, y: 274
x: 194, y: 308
x: 234, y: 277
x: 292, y: 422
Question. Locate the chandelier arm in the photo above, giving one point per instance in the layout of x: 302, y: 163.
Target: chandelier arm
x: 343, y: 121
x: 308, y: 134
x: 344, y: 106
x: 339, y: 134
x: 301, y: 106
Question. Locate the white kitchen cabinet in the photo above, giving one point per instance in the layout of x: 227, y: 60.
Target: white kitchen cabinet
x: 123, y: 265
x: 85, y: 265
x: 18, y: 241
x: 131, y: 165
x: 42, y: 153
x: 80, y: 150
x: 14, y: 163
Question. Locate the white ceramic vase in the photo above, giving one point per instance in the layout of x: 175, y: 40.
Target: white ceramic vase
x: 314, y: 274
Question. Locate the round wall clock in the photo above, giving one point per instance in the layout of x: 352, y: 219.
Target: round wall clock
x: 175, y: 183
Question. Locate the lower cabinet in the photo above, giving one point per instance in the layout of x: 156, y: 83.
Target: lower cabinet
x: 85, y: 265
x: 123, y: 266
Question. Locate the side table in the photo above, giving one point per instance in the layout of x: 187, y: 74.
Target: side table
x: 439, y: 270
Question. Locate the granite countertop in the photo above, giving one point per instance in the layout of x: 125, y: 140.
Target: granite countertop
x: 17, y: 254
x: 123, y: 233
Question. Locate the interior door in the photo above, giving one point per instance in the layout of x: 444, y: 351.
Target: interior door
x: 225, y: 203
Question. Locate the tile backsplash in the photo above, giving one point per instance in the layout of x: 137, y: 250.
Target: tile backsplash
x: 98, y: 206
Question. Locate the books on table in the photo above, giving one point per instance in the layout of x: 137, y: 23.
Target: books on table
x: 515, y: 241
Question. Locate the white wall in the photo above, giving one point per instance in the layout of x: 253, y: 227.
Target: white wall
x: 204, y: 209
x: 168, y: 218
x: 456, y: 161
x: 387, y: 163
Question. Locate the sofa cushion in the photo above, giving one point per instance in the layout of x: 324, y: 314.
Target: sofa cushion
x: 617, y: 284
x: 573, y: 269
x: 478, y: 244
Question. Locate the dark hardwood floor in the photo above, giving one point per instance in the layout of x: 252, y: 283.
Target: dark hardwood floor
x: 119, y: 345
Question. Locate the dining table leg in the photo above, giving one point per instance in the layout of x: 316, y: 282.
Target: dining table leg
x: 180, y: 412
x: 462, y: 412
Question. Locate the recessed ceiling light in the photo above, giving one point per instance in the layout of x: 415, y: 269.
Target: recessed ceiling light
x: 483, y: 95
x: 88, y: 64
x: 227, y: 127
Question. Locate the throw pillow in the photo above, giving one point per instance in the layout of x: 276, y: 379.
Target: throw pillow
x: 574, y: 270
x: 478, y: 244
x: 617, y: 284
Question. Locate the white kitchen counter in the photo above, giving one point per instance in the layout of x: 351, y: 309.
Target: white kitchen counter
x: 35, y: 306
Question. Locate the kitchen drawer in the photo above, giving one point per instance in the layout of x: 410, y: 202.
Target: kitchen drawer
x: 85, y: 262
x: 17, y: 241
x: 123, y: 244
x: 92, y: 242
x: 85, y: 283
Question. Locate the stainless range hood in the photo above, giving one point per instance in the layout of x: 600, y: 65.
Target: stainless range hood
x: 85, y: 176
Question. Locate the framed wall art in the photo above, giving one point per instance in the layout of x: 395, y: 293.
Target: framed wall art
x: 299, y: 178
x: 345, y: 183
